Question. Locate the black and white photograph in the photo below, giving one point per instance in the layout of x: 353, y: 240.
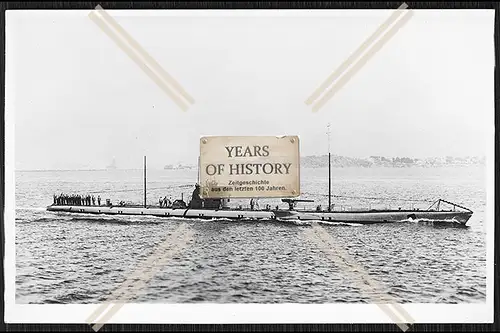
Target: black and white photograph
x: 210, y: 166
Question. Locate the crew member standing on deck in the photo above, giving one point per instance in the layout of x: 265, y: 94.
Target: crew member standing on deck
x: 99, y: 200
x: 93, y: 200
x: 160, y: 201
x: 167, y: 202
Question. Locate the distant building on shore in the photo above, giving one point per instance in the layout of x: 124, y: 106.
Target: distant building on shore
x: 177, y: 167
x: 390, y: 162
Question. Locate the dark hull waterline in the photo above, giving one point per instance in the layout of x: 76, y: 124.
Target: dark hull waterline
x: 363, y: 217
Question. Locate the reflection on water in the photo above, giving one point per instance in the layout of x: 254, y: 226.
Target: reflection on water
x: 68, y: 258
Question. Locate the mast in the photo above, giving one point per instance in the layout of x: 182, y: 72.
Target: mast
x: 329, y: 172
x: 144, y: 181
x: 198, y: 170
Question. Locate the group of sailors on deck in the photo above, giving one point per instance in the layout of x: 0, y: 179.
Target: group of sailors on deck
x: 76, y: 199
x: 164, y: 202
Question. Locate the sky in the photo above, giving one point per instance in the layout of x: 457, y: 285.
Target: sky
x: 78, y: 100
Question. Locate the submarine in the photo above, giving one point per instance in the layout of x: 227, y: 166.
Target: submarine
x: 199, y: 208
x: 356, y: 216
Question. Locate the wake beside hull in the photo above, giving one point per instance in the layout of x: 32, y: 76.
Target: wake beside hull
x: 383, y: 216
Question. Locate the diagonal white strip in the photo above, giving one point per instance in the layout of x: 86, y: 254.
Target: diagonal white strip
x: 177, y: 242
x: 342, y: 259
x: 362, y: 61
x: 149, y: 59
x: 404, y: 314
x: 138, y: 60
x: 395, y: 319
x: 94, y: 315
x: 107, y: 316
x: 366, y: 44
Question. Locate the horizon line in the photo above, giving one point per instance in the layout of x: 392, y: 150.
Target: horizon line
x: 194, y: 165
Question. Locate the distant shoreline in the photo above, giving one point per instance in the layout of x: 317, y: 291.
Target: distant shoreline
x: 303, y: 167
x: 391, y: 162
x: 72, y: 170
x: 321, y: 161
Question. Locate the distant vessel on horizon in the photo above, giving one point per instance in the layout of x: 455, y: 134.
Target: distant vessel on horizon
x: 112, y: 166
x: 177, y: 167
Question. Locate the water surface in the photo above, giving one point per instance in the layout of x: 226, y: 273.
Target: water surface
x: 67, y: 258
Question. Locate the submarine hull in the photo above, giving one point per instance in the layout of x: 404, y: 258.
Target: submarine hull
x: 363, y: 217
x: 382, y: 216
x: 164, y: 212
